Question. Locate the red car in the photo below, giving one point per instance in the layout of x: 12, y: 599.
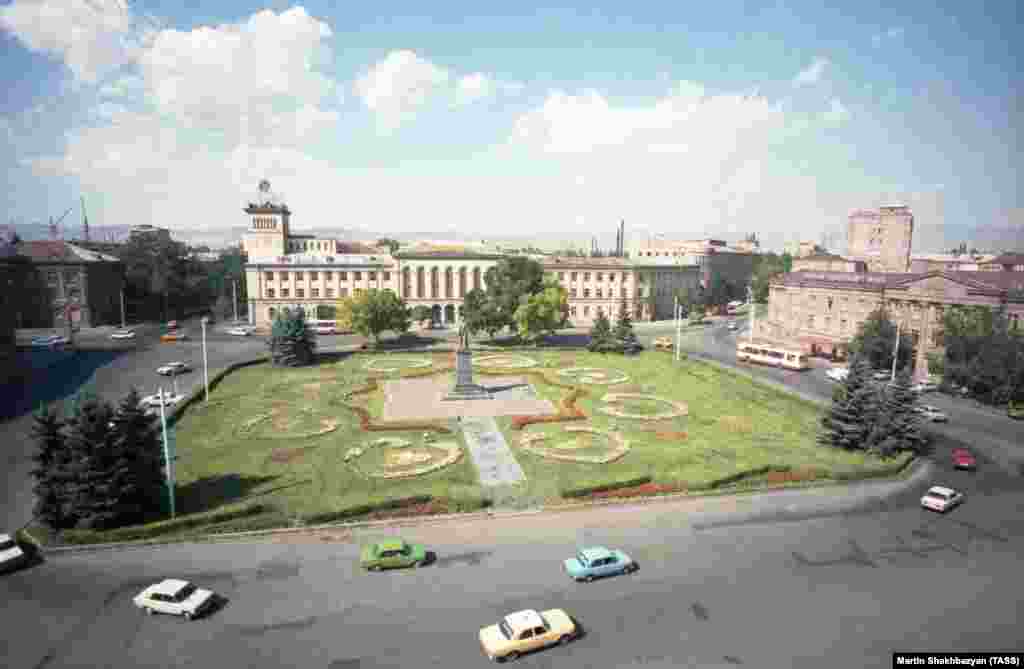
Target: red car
x: 963, y: 459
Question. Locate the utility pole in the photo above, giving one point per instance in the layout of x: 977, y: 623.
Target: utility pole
x: 753, y: 311
x: 234, y: 299
x: 206, y: 374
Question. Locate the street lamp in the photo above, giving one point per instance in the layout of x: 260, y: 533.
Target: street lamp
x: 169, y: 469
x: 206, y: 375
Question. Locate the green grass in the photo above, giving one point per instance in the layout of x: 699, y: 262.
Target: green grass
x: 733, y: 425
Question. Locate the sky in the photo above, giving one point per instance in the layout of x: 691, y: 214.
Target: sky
x: 683, y: 119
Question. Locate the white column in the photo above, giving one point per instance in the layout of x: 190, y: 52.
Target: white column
x: 444, y: 322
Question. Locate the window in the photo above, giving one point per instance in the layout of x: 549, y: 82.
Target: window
x: 387, y: 276
x: 357, y: 276
x: 313, y: 276
x: 314, y: 292
x: 343, y: 292
x: 270, y: 276
x: 298, y: 276
x: 572, y: 292
x: 599, y: 293
x: 842, y: 325
x: 330, y: 292
x: 343, y: 276
x: 70, y: 276
x: 611, y: 292
x: 586, y: 311
x: 586, y: 292
x: 561, y: 276
x: 810, y: 321
x: 586, y: 276
x: 573, y: 276
x: 284, y: 276
x: 270, y: 292
x: 284, y: 292
x: 572, y: 311
x: 299, y: 292
x: 327, y: 275
x: 611, y: 276
x: 373, y: 276
x: 600, y: 276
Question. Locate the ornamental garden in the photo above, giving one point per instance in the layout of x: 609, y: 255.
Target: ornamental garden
x: 314, y: 441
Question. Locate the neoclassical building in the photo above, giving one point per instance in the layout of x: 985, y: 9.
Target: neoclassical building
x: 822, y: 311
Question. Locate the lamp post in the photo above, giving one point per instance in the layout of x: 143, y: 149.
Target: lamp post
x: 234, y: 299
x: 206, y: 375
x: 167, y: 452
x: 895, y: 352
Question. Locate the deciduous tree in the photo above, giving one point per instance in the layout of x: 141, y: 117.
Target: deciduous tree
x: 542, y: 313
x: 376, y: 311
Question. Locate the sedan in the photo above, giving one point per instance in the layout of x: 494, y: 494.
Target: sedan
x: 881, y: 376
x: 934, y: 414
x: 174, y: 336
x: 11, y: 555
x: 524, y: 631
x: 153, y: 401
x: 837, y: 374
x: 924, y: 387
x: 964, y: 459
x: 50, y: 340
x: 173, y: 368
x: 325, y: 330
x: 239, y: 332
x: 176, y: 597
x: 732, y: 325
x: 941, y: 499
x: 123, y: 334
x: 392, y: 554
x: 597, y: 561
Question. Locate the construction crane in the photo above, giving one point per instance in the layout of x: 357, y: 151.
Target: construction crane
x: 54, y: 224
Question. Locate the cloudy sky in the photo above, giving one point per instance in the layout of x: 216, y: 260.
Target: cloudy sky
x: 684, y: 119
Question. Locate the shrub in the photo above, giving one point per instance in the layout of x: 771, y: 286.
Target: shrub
x: 160, y: 527
x: 604, y: 487
x: 466, y: 504
x: 891, y: 468
x: 363, y: 509
x: 738, y: 476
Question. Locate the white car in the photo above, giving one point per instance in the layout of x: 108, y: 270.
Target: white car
x: 123, y: 334
x: 881, y: 376
x: 325, y: 330
x: 240, y: 332
x: 175, y: 597
x: 173, y: 368
x: 940, y: 498
x: 838, y: 374
x: 732, y: 325
x: 153, y: 401
x: 934, y: 414
x: 924, y: 387
x: 50, y: 340
x: 11, y: 555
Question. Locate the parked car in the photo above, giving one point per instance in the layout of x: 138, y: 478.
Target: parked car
x: 732, y: 325
x: 881, y: 375
x: 153, y: 401
x: 940, y: 498
x: 837, y: 374
x: 663, y: 343
x: 11, y: 555
x: 1015, y: 410
x: 392, y: 554
x: 46, y: 341
x: 176, y: 335
x: 173, y: 368
x: 325, y: 330
x: 934, y: 414
x: 175, y: 597
x: 964, y: 459
x: 521, y: 632
x: 240, y: 332
x: 172, y: 325
x: 924, y: 387
x: 123, y: 334
x: 598, y: 561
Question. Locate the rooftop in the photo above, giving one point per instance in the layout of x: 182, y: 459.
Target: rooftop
x: 595, y: 553
x: 390, y: 545
x: 882, y: 280
x: 169, y: 586
x: 521, y: 620
x: 60, y: 251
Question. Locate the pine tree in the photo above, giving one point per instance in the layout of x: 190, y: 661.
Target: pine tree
x: 854, y: 411
x: 137, y: 464
x: 291, y: 340
x: 50, y: 461
x: 88, y: 488
x: 898, y: 427
x: 601, y: 334
x: 623, y: 332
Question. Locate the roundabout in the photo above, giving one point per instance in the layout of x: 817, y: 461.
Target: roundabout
x: 594, y: 375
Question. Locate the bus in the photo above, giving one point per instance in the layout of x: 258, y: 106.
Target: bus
x: 770, y: 354
x: 323, y: 327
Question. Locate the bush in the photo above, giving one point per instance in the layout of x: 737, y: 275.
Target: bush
x: 466, y: 504
x: 738, y: 476
x: 266, y: 521
x: 604, y: 487
x: 160, y: 527
x: 363, y: 509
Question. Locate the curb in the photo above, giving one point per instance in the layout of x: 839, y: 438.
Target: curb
x: 914, y: 469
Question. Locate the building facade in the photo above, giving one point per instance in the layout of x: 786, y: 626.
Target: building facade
x: 822, y: 311
x: 827, y: 262
x: 89, y: 281
x: 149, y: 231
x: 714, y: 258
x: 882, y: 238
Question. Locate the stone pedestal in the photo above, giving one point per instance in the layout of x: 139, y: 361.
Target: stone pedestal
x: 465, y: 389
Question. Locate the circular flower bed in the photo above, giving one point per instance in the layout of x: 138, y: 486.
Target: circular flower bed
x: 506, y: 360
x: 280, y: 423
x: 594, y: 375
x: 400, y: 459
x: 675, y: 409
x: 396, y: 363
x: 617, y: 446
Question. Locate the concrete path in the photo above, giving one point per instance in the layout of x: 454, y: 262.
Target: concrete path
x: 491, y: 454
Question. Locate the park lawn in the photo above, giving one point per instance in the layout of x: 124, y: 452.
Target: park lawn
x: 733, y: 425
x: 220, y: 462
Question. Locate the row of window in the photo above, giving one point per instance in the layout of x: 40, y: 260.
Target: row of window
x: 328, y: 275
x: 599, y: 276
x: 314, y: 292
x: 70, y: 276
x: 599, y: 292
x: 573, y: 311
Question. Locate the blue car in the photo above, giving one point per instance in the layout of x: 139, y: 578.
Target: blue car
x: 597, y: 561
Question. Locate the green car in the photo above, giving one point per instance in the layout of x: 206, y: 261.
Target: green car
x: 392, y: 554
x: 1015, y: 410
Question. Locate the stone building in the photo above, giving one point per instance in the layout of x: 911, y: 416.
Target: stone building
x: 714, y: 258
x: 822, y: 311
x: 440, y: 278
x: 827, y: 262
x: 70, y: 274
x: 882, y: 238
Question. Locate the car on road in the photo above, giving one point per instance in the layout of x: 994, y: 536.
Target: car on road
x: 49, y: 340
x: 173, y: 368
x: 123, y: 334
x: 934, y: 414
x: 11, y: 555
x: 1015, y: 410
x: 838, y: 374
x: 598, y: 561
x: 172, y: 325
x: 663, y: 343
x: 881, y: 376
x: 732, y: 325
x: 325, y: 330
x: 239, y: 332
x: 924, y: 387
x: 176, y: 335
x: 524, y: 631
x: 392, y: 554
x: 175, y: 597
x: 153, y: 401
x: 940, y: 498
x: 964, y: 459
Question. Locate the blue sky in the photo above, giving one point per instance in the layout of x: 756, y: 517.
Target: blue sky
x: 555, y: 121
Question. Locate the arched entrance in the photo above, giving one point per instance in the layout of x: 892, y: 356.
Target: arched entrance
x: 449, y: 314
x: 435, y: 315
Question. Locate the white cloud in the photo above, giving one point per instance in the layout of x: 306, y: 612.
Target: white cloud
x: 837, y: 113
x: 812, y: 73
x: 472, y: 88
x: 92, y: 37
x: 398, y: 86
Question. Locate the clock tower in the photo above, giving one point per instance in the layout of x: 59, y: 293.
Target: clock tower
x: 267, y: 235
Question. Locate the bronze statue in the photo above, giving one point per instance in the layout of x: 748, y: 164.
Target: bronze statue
x: 463, y: 337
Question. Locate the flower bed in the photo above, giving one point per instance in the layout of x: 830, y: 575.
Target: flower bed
x: 594, y: 375
x: 402, y: 460
x: 620, y: 446
x: 396, y: 363
x: 567, y: 411
x: 505, y: 361
x: 678, y: 408
x: 644, y: 490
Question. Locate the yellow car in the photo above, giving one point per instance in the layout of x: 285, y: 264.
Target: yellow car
x: 173, y: 336
x: 663, y: 343
x: 524, y: 631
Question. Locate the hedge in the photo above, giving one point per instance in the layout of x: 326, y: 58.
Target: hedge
x: 760, y: 471
x: 897, y: 465
x: 362, y: 509
x: 150, y: 530
x: 604, y: 487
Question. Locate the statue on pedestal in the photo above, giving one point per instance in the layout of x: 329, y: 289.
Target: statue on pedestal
x: 465, y: 389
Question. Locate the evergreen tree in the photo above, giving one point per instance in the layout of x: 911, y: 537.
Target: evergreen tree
x: 898, y: 427
x: 87, y: 498
x: 623, y: 332
x: 137, y: 463
x: 601, y: 334
x: 854, y: 411
x: 292, y: 342
x: 50, y: 461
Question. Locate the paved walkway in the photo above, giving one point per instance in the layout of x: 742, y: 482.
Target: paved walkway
x: 491, y: 454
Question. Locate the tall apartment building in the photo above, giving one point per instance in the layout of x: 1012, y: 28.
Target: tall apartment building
x: 882, y: 238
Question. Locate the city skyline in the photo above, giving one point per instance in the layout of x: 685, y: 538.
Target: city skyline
x: 712, y: 122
